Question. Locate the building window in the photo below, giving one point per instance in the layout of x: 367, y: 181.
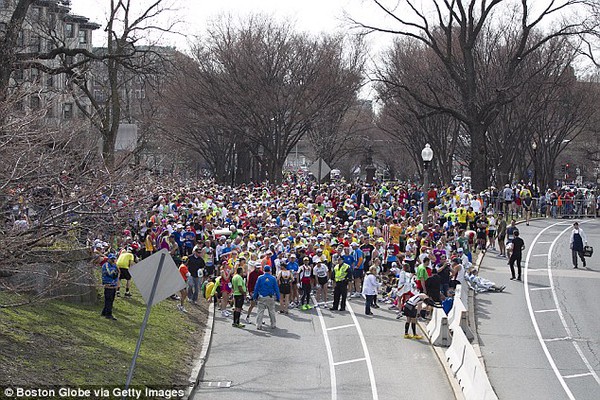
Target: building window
x: 18, y: 74
x: 98, y: 95
x: 36, y: 44
x: 83, y: 36
x: 35, y: 74
x: 140, y: 93
x: 34, y: 102
x: 21, y: 39
x: 68, y: 111
x: 36, y: 13
x: 50, y: 81
x: 52, y: 20
x: 69, y: 30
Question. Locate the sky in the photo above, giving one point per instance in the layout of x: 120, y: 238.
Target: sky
x: 313, y: 16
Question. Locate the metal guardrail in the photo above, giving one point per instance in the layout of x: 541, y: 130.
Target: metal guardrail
x: 540, y: 207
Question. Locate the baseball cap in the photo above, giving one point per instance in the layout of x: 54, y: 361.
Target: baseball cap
x: 267, y: 268
x: 111, y: 256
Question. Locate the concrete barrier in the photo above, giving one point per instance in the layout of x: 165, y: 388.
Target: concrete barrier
x: 458, y: 318
x: 467, y: 369
x: 464, y: 294
x: 437, y: 329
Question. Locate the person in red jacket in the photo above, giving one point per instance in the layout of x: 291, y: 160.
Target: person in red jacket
x: 252, y: 277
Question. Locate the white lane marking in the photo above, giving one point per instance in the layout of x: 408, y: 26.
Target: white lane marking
x: 340, y: 327
x: 549, y: 310
x: 560, y: 314
x: 349, y: 361
x: 558, y: 339
x: 366, y: 351
x: 540, y: 288
x: 544, y: 242
x: 576, y: 375
x: 539, y: 255
x: 329, y: 355
x: 534, y: 320
x: 537, y: 269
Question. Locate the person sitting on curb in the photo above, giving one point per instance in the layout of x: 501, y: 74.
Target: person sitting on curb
x: 480, y: 284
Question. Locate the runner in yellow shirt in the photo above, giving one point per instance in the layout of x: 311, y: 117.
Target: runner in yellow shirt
x: 126, y: 259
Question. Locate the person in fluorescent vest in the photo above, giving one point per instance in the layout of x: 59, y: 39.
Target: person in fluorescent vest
x: 341, y: 273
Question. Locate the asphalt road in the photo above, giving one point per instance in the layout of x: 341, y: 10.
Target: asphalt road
x: 322, y: 354
x: 540, y: 338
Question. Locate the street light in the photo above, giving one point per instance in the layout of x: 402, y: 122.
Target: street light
x: 534, y: 147
x: 427, y: 156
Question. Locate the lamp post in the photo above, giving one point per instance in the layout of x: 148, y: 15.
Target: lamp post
x: 534, y: 147
x: 427, y: 156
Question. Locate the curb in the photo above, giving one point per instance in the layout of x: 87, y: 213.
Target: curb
x: 200, y: 362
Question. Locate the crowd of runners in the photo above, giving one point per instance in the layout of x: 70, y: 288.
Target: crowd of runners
x: 301, y: 241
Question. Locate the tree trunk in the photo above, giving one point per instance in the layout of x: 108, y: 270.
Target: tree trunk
x: 243, y: 167
x: 108, y: 149
x: 276, y: 175
x: 478, y: 167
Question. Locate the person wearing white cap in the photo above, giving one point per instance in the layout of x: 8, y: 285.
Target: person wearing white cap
x: 321, y: 273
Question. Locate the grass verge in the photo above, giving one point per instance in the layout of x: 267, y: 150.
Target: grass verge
x: 66, y: 344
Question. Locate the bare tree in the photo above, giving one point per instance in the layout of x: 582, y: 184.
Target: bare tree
x: 122, y: 61
x: 269, y: 85
x: 54, y: 191
x: 455, y: 30
x: 342, y: 131
x: 124, y: 57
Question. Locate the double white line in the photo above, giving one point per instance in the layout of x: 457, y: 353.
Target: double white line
x: 333, y: 364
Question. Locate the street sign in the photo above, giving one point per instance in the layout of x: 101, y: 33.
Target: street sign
x: 319, y: 169
x: 169, y: 281
x: 157, y: 277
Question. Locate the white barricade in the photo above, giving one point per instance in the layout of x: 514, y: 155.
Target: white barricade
x: 468, y: 370
x: 437, y: 328
x: 458, y: 318
x: 464, y: 293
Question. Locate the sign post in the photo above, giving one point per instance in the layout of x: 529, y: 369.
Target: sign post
x: 153, y: 291
x: 144, y: 323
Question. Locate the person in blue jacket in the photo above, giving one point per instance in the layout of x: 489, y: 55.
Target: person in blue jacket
x: 266, y: 291
x: 110, y: 280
